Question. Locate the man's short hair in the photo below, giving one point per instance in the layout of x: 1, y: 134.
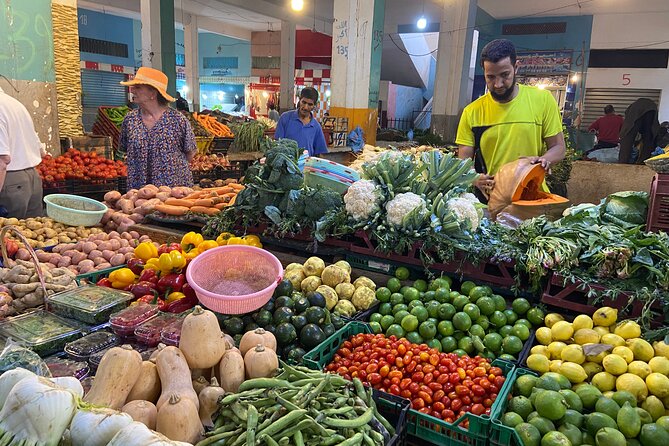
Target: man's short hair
x: 497, y: 50
x: 609, y: 109
x: 309, y: 93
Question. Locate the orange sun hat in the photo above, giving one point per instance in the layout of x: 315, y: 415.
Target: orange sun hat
x: 150, y: 76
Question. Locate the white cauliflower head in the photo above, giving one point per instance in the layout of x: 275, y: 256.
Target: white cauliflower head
x: 466, y: 212
x: 405, y: 205
x: 362, y: 200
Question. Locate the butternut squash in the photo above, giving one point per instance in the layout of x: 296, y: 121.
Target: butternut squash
x: 209, y: 402
x: 117, y: 373
x: 260, y: 362
x: 147, y: 386
x: 174, y: 376
x: 178, y: 420
x: 231, y: 370
x: 143, y: 411
x: 201, y: 342
x: 255, y: 337
x: 199, y: 384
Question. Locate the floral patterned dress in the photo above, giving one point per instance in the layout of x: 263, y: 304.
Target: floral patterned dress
x: 158, y: 156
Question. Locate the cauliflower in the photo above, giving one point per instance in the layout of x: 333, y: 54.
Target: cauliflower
x: 406, y: 210
x: 466, y: 213
x: 363, y: 298
x: 363, y: 199
x: 345, y: 308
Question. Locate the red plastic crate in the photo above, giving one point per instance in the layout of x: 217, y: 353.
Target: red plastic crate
x: 658, y: 206
x: 497, y: 274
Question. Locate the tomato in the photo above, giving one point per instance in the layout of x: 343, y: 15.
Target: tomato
x: 371, y: 368
x: 425, y: 397
x: 384, y: 370
x: 438, y: 395
x: 447, y: 414
x: 478, y: 390
x: 394, y: 389
x: 428, y: 378
x: 405, y: 383
x: 495, y: 371
x: 405, y: 394
x: 374, y: 378
x: 414, y: 387
x: 456, y: 404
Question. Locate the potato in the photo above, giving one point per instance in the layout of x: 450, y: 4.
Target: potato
x: 104, y: 246
x: 100, y: 260
x: 107, y: 254
x: 115, y: 244
x: 117, y: 259
x: 103, y: 265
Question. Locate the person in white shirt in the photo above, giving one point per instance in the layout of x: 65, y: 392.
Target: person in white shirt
x: 20, y: 152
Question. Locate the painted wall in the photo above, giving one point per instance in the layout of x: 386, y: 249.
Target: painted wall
x: 631, y: 30
x: 407, y: 101
x: 215, y: 45
x: 113, y: 28
x: 312, y: 47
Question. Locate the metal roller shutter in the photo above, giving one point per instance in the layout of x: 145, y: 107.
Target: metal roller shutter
x: 101, y: 88
x: 598, y: 98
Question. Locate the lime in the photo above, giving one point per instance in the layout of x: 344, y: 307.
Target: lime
x: 462, y: 321
x: 396, y: 298
x: 487, y: 305
x: 453, y: 295
x: 395, y: 330
x: 459, y: 352
x: 521, y: 331
x: 466, y: 287
x: 394, y: 284
x: 420, y: 285
x: 403, y: 289
x: 520, y: 405
x: 511, y: 419
x: 385, y: 308
x: 459, y: 335
x: 386, y: 321
x: 460, y: 302
x: 410, y: 294
x: 512, y: 345
x: 421, y: 313
x: 535, y: 316
x: 443, y: 281
x: 446, y: 312
x: 466, y: 344
x: 477, y: 330
x: 511, y: 317
x: 442, y: 295
x: 376, y: 327
x: 402, y: 273
x: 483, y: 322
x: 500, y: 302
x: 427, y: 330
x: 414, y: 337
x: 434, y: 320
x: 445, y: 328
x: 415, y: 303
x: 520, y: 305
x: 433, y: 308
x: 434, y: 343
x: 429, y: 295
x: 477, y: 292
x: 375, y: 317
x: 400, y: 307
x: 383, y: 294
x: 493, y: 342
x: 498, y: 319
x: 400, y: 315
x: 505, y: 330
x: 409, y: 322
x: 472, y: 310
x: 448, y: 344
x: 507, y: 357
x: 524, y: 322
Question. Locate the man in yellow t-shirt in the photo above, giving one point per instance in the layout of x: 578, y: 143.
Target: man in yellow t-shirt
x: 510, y: 121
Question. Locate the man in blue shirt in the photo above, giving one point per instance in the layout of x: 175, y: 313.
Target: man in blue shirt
x: 300, y: 125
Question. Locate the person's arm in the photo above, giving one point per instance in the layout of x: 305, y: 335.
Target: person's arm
x: 4, y: 162
x: 280, y: 131
x: 465, y: 141
x: 552, y: 125
x: 189, y: 145
x: 594, y: 126
x: 320, y: 146
x: 5, y: 157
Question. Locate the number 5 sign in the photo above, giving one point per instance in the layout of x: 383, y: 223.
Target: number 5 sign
x: 626, y: 79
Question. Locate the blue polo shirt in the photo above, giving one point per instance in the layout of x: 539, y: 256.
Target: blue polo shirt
x: 308, y: 137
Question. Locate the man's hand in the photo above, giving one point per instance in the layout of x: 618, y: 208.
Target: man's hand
x: 545, y: 163
x: 485, y: 183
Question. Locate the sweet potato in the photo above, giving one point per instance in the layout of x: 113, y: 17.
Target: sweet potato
x: 137, y: 218
x: 126, y: 205
x: 112, y: 196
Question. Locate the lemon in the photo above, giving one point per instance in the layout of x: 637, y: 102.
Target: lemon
x: 592, y: 368
x: 540, y: 350
x: 612, y: 339
x: 614, y: 364
x: 601, y: 330
x: 573, y: 353
x: 555, y: 365
x: 552, y: 318
x: 608, y: 394
x: 627, y: 329
x: 586, y: 336
x: 639, y: 368
x: 624, y: 352
x: 661, y: 349
x: 574, y: 372
x: 555, y: 349
x: 544, y: 336
x: 605, y: 316
x: 604, y: 381
x: 538, y: 363
x: 642, y: 349
x: 632, y: 384
x: 595, y: 358
x: 659, y: 364
x: 658, y: 384
x: 562, y: 331
x: 582, y: 321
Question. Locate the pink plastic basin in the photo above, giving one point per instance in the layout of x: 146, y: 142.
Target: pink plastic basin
x: 234, y: 279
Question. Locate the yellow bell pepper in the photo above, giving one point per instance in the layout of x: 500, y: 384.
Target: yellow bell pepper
x: 190, y: 255
x: 153, y: 263
x: 222, y: 239
x: 121, y: 278
x: 191, y: 241
x: 236, y: 241
x: 252, y: 240
x: 176, y: 295
x: 207, y: 244
x: 146, y: 251
x: 171, y: 262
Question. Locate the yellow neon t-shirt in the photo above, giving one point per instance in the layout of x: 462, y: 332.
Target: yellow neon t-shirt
x: 517, y: 128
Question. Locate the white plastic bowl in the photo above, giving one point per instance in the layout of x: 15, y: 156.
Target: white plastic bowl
x: 74, y: 210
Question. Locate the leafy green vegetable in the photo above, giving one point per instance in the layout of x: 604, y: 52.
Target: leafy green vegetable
x: 625, y: 209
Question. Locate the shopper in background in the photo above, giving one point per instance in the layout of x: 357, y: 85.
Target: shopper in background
x: 301, y: 126
x: 181, y: 103
x: 273, y: 114
x: 640, y: 118
x: 20, y: 152
x: 158, y: 140
x: 510, y: 121
x: 607, y: 129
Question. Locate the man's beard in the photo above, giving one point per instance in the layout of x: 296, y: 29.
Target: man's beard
x: 506, y: 95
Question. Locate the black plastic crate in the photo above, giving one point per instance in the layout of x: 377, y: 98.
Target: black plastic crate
x: 395, y: 409
x: 220, y: 144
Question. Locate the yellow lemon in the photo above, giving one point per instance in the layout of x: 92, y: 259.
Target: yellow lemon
x: 633, y: 384
x: 608, y: 394
x: 612, y: 339
x: 627, y: 329
x: 555, y: 349
x: 661, y: 349
x: 604, y: 381
x: 562, y: 331
x: 601, y: 330
x: 582, y: 321
x: 605, y: 316
x: 574, y: 372
x: 658, y: 384
x: 642, y: 349
x: 586, y: 336
x: 540, y: 350
x: 544, y: 336
x: 538, y: 363
x: 594, y: 358
x: 555, y: 365
x: 614, y: 364
x: 659, y: 364
x: 552, y: 318
x: 639, y: 368
x: 624, y: 352
x: 573, y: 353
x: 592, y: 368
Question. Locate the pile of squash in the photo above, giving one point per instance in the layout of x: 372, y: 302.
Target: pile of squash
x: 176, y: 391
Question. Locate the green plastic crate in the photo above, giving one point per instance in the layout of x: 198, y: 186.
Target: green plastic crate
x: 94, y: 276
x: 420, y: 425
x: 501, y: 435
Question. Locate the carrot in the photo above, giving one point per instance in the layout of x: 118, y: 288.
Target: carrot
x: 232, y: 200
x: 179, y: 202
x: 218, y: 190
x: 236, y: 186
x: 229, y: 196
x: 221, y: 205
x: 194, y: 196
x: 205, y: 210
x: 171, y: 210
x: 206, y: 202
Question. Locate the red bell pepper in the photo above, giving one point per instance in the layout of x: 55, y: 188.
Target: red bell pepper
x: 185, y: 303
x: 149, y: 275
x: 136, y: 265
x: 140, y: 289
x: 104, y: 282
x: 171, y: 282
x: 164, y: 248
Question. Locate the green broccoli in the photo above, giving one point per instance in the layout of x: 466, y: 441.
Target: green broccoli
x: 318, y: 201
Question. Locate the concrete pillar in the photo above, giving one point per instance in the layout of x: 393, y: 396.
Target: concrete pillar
x: 357, y: 43
x: 452, y: 91
x: 158, y: 41
x: 191, y: 49
x: 287, y: 92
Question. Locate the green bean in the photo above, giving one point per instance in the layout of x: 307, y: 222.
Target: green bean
x: 368, y: 440
x: 360, y: 389
x: 283, y: 422
x: 354, y: 440
x: 314, y: 393
x: 338, y: 411
x: 215, y: 438
x: 303, y: 391
x: 377, y: 436
x: 252, y: 423
x: 263, y: 402
x: 263, y: 383
x: 354, y: 423
x: 231, y: 398
x: 267, y: 439
x: 227, y: 427
x: 290, y: 430
x: 287, y: 404
x: 284, y: 441
x: 239, y: 410
x: 298, y: 439
x: 334, y: 439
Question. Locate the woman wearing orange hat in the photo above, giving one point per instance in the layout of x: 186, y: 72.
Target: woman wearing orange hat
x: 158, y: 140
